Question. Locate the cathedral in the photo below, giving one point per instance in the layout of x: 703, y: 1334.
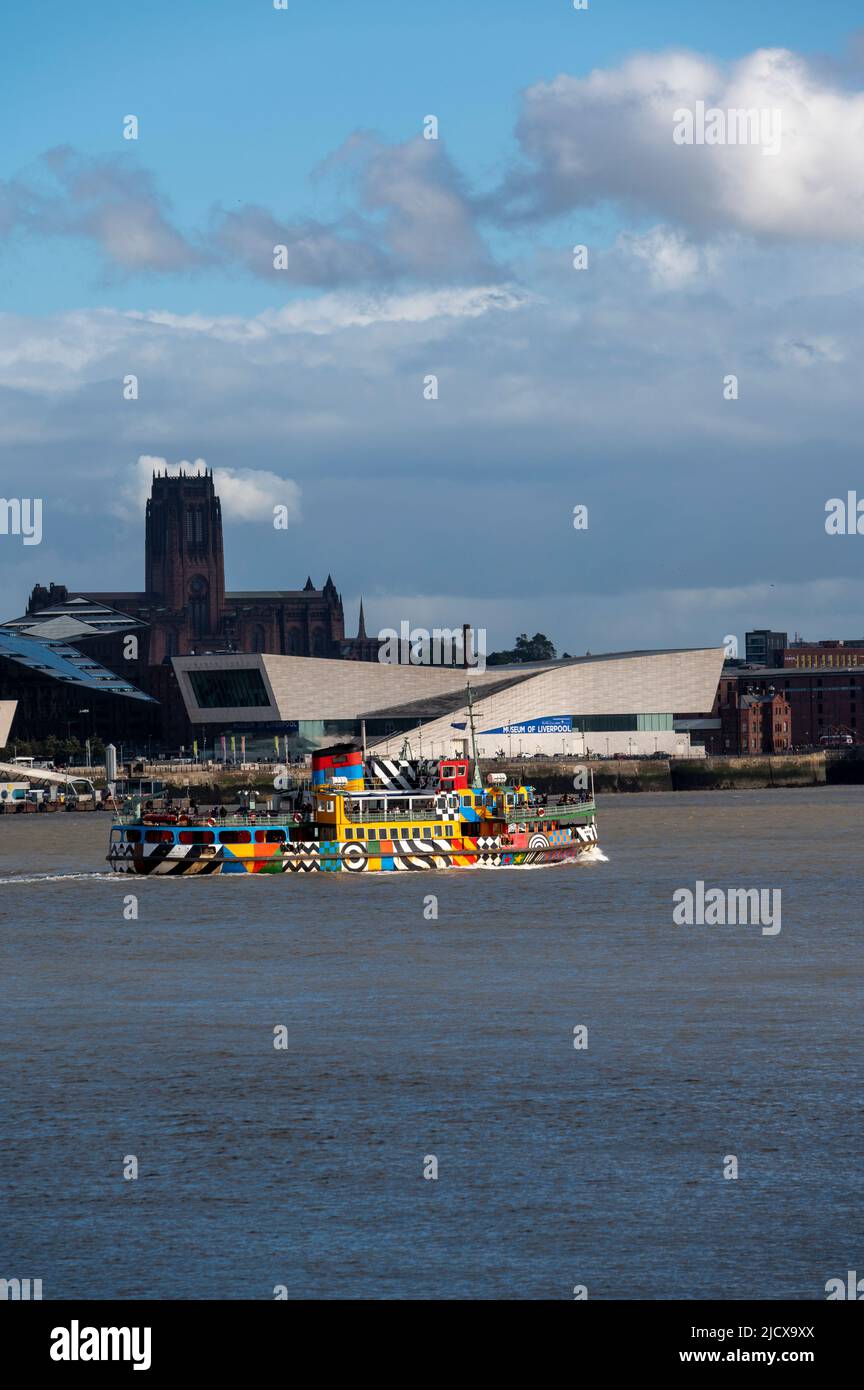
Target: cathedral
x: 185, y: 608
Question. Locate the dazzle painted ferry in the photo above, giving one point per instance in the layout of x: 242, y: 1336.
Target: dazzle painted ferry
x: 366, y: 816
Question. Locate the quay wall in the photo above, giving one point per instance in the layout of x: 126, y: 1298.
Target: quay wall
x: 555, y: 775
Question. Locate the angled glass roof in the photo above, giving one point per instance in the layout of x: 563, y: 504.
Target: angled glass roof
x: 64, y: 663
x: 74, y: 618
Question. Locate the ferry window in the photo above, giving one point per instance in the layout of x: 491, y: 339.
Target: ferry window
x: 235, y: 837
x: 405, y: 832
x: 155, y: 836
x: 259, y: 837
x: 349, y: 834
x: 361, y: 834
x: 133, y: 837
x: 273, y: 837
x: 373, y: 835
x: 437, y: 830
x: 196, y: 837
x: 427, y: 832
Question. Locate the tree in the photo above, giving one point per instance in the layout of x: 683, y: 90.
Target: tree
x: 536, y: 648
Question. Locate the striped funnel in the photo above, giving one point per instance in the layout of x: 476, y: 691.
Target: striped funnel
x: 341, y: 768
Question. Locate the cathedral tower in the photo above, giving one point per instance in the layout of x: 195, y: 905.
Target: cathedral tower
x: 184, y: 564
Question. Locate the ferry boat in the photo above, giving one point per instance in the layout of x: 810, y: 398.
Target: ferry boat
x: 375, y: 816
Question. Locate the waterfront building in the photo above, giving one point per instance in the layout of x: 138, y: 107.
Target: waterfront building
x: 621, y: 703
x: 757, y: 723
x: 834, y: 655
x: 821, y: 702
x: 57, y: 690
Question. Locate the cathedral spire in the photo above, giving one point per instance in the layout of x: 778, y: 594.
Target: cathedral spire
x: 361, y: 626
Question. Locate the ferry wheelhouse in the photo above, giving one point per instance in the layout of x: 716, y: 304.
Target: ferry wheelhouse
x: 378, y: 816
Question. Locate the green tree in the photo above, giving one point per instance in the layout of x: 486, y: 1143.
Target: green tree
x: 536, y: 648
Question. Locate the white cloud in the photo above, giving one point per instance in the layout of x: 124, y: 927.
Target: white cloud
x: 331, y: 312
x: 247, y: 494
x: 608, y: 137
x: 672, y: 261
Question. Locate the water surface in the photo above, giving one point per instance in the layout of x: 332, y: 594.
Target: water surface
x: 409, y: 1037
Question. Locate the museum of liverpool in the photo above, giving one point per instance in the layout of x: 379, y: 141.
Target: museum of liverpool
x: 630, y: 703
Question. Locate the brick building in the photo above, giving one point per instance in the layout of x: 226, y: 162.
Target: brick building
x: 185, y: 609
x: 756, y: 723
x: 834, y: 655
x: 821, y: 702
x: 184, y: 605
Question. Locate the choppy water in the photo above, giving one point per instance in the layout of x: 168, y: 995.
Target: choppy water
x: 410, y: 1037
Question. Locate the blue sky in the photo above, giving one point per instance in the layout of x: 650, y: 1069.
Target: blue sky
x: 241, y: 103
x: 409, y: 258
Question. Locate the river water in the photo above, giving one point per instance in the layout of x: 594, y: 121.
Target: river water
x: 409, y: 1038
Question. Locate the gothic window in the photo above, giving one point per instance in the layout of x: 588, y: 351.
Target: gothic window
x: 198, y: 605
x: 318, y: 643
x: 258, y: 639
x: 194, y: 528
x: 294, y: 643
x: 198, y: 616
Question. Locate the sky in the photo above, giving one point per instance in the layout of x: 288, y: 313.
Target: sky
x: 406, y: 258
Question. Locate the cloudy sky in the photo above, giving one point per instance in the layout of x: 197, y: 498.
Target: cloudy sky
x: 409, y: 257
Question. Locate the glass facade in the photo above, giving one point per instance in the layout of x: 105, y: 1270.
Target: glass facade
x: 238, y: 689
x: 621, y: 723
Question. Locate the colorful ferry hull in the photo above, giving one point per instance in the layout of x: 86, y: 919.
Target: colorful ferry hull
x: 169, y: 855
x: 403, y: 816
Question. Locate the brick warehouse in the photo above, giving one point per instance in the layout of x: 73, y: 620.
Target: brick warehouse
x: 821, y: 702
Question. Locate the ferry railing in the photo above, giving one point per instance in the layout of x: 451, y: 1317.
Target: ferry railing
x: 262, y: 816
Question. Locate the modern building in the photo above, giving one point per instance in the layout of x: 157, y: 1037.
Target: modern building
x: 765, y: 648
x: 61, y: 692
x: 623, y: 703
